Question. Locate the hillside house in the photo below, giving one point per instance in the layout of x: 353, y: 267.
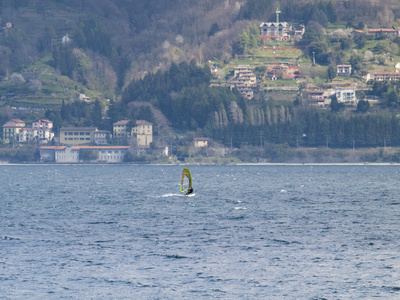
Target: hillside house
x: 200, y: 142
x: 65, y: 39
x: 389, y: 31
x: 298, y: 31
x: 101, y: 137
x: 241, y: 69
x: 120, y: 129
x: 143, y: 131
x: 384, y: 76
x: 77, y: 135
x: 11, y: 130
x: 27, y: 134
x: 319, y: 98
x: 44, y: 129
x: 285, y: 71
x: 275, y: 30
x: 244, y: 80
x: 346, y: 95
x: 83, y: 97
x: 343, y: 70
x: 43, y: 124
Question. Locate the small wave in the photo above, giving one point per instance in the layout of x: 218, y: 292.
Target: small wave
x: 174, y: 256
x: 102, y: 222
x: 10, y: 238
x: 239, y: 207
x: 170, y: 195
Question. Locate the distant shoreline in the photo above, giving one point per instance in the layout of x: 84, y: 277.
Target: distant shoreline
x: 2, y: 163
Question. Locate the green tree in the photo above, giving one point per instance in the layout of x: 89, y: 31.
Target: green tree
x: 96, y: 115
x: 314, y: 33
x: 363, y: 106
x: 214, y: 29
x: 392, y: 98
x: 356, y: 62
x: 331, y: 72
x: 346, y: 43
x: 335, y: 105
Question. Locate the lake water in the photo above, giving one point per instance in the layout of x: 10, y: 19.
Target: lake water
x: 251, y: 232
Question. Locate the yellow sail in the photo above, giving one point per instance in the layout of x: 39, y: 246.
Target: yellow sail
x: 186, y: 172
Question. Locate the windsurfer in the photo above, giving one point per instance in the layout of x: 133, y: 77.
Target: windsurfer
x: 186, y: 173
x: 189, y: 191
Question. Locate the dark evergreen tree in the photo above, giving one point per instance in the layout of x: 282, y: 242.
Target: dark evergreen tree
x: 363, y: 106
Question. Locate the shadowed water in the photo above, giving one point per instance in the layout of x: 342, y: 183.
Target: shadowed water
x: 251, y: 232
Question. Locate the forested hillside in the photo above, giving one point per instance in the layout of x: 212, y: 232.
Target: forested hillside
x: 149, y: 60
x: 116, y: 41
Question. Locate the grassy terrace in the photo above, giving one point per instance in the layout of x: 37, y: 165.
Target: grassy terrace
x: 55, y: 88
x: 285, y: 52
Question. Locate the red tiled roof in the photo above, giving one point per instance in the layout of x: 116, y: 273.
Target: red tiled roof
x: 53, y: 148
x: 142, y: 122
x: 100, y: 147
x: 122, y: 122
x: 382, y: 30
x: 13, y: 125
x: 346, y: 88
x: 387, y: 73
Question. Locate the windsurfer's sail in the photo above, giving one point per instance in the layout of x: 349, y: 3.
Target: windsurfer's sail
x: 186, y: 172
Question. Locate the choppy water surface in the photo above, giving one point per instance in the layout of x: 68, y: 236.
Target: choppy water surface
x: 251, y: 232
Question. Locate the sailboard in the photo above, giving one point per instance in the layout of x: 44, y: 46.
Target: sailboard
x: 188, y: 188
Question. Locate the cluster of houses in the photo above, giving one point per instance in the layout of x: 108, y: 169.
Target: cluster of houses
x: 73, y: 140
x: 322, y: 98
x: 246, y: 82
x: 78, y: 144
x: 14, y: 131
x: 90, y: 144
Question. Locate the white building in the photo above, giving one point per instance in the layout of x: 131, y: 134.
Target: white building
x: 64, y: 154
x: 279, y: 30
x: 346, y: 95
x: 343, y: 70
x: 200, y: 142
x: 41, y: 130
x: 100, y: 137
x: 27, y: 134
x: 43, y: 124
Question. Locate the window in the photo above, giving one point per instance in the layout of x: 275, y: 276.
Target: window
x: 82, y: 133
x: 76, y: 133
